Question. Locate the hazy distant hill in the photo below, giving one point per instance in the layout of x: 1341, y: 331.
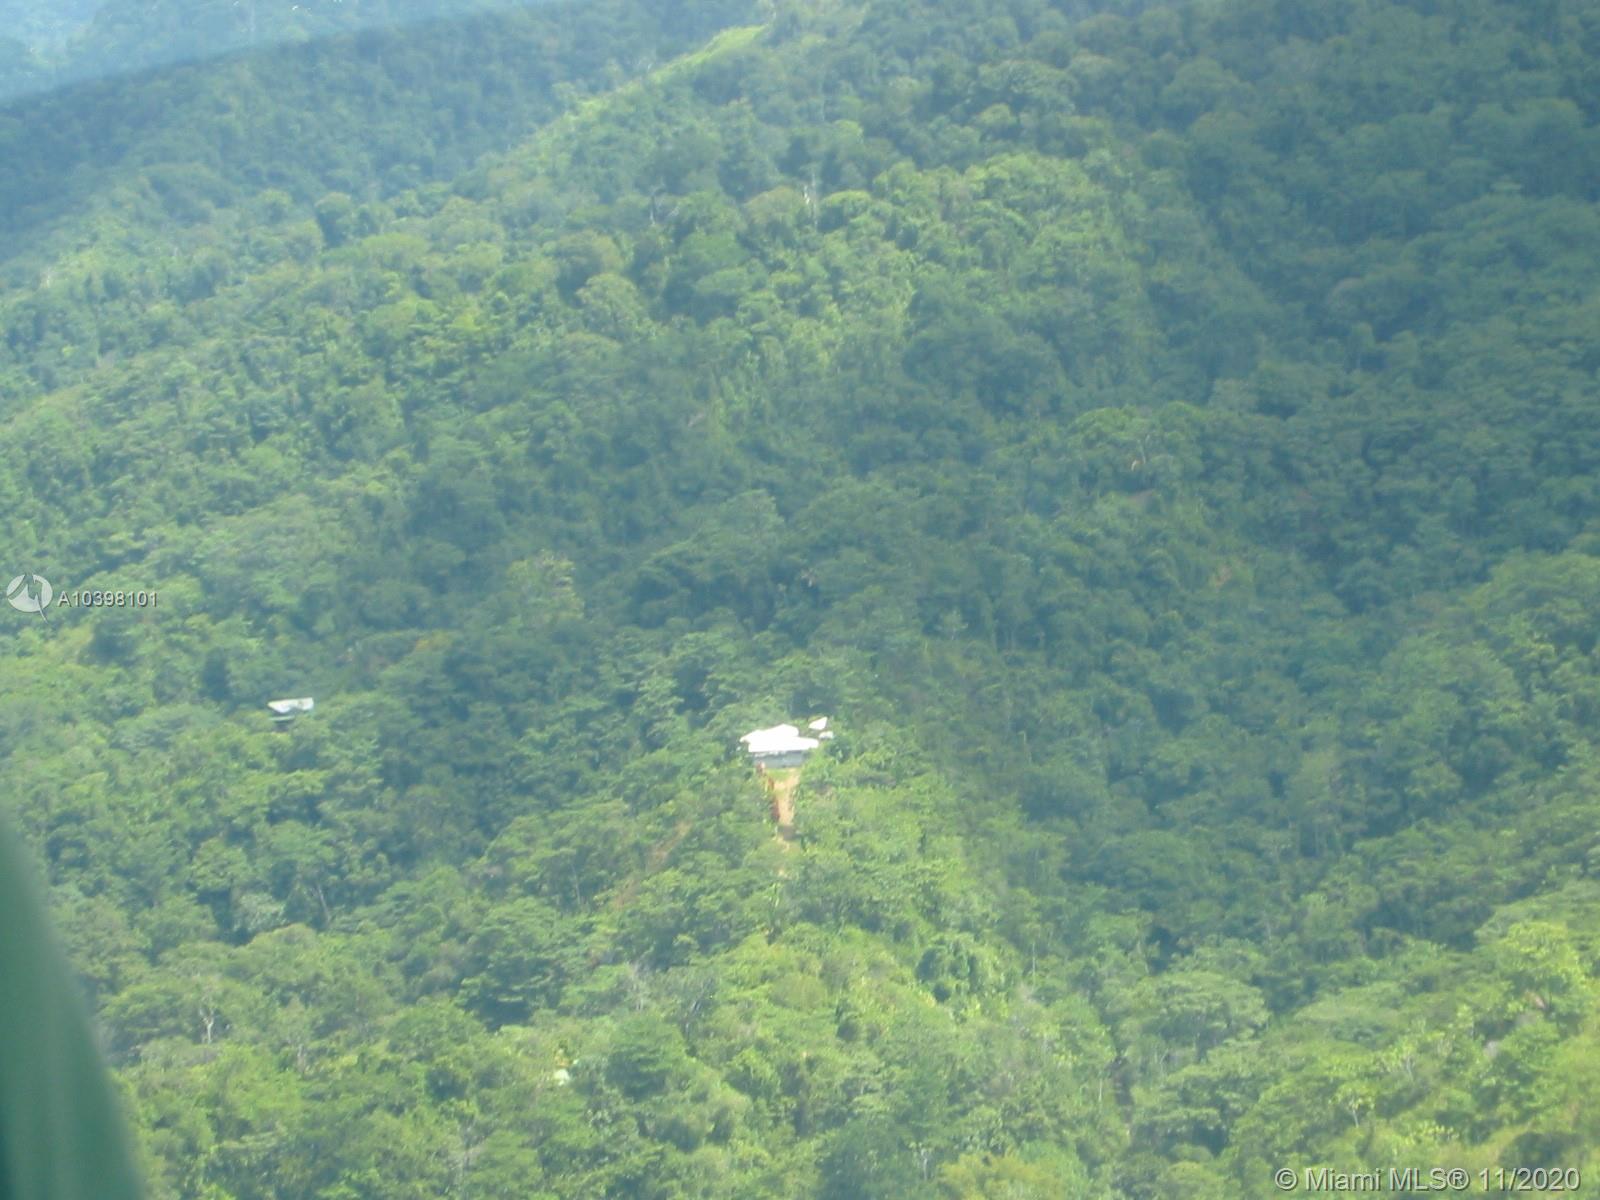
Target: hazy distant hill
x: 44, y: 28
x: 74, y: 41
x: 171, y: 155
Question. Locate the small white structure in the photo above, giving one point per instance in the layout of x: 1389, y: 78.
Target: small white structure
x: 783, y: 745
x: 285, y: 711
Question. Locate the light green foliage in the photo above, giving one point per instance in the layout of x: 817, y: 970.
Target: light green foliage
x: 1163, y: 443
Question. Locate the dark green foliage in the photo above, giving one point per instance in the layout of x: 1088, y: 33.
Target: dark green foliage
x: 1164, y: 440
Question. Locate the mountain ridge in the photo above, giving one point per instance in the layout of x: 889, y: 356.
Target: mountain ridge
x: 1208, y: 646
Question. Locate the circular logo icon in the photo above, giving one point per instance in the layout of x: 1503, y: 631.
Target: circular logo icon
x: 24, y: 596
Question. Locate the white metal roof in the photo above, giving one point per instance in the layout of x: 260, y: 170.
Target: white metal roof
x: 285, y: 708
x: 780, y: 739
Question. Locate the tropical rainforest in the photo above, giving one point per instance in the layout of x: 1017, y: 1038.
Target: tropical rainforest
x: 1164, y: 438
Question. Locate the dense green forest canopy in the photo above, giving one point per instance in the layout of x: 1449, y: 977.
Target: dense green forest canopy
x: 1164, y: 438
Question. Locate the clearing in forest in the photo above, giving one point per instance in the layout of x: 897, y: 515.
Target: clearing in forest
x: 781, y: 784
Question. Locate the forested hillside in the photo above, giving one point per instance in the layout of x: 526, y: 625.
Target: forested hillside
x: 1164, y: 439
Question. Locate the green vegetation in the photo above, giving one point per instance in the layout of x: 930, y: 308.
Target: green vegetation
x: 1166, y: 441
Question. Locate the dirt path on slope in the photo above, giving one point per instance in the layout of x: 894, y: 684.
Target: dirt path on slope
x: 781, y: 785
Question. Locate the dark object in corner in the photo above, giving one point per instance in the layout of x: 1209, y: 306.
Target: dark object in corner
x: 61, y: 1136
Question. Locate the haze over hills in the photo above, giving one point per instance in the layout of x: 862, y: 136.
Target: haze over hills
x: 49, y: 45
x: 1164, y: 440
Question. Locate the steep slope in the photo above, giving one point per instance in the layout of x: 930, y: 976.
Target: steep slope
x: 1174, y: 474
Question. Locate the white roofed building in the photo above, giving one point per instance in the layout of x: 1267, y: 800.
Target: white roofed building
x: 285, y: 711
x: 783, y: 745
